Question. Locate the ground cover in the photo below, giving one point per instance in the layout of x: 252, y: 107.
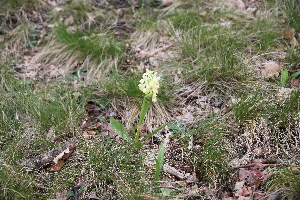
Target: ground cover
x: 228, y: 94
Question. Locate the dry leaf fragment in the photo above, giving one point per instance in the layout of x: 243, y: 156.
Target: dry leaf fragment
x: 239, y: 185
x: 192, y: 178
x: 94, y: 196
x: 259, y: 152
x: 244, y: 192
x: 61, y: 159
x: 244, y: 174
x: 51, y: 3
x: 89, y: 134
x: 271, y: 68
x: 295, y: 170
x: 255, y: 175
x: 295, y: 83
x: 166, y: 2
x: 289, y: 34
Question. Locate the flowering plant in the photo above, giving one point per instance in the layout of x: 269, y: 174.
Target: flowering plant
x: 149, y: 85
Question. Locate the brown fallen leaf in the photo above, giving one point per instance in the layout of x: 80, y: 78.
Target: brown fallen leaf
x: 244, y: 192
x: 295, y: 170
x: 295, y: 83
x: 61, y: 159
x: 255, y: 175
x: 239, y: 185
x: 270, y: 69
x: 289, y: 34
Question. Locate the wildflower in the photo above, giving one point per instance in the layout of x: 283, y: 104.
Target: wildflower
x: 149, y: 84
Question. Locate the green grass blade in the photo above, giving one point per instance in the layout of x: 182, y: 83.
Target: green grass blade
x: 159, y: 161
x: 120, y: 129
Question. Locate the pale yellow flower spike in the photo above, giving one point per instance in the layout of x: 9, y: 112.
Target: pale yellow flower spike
x: 149, y: 84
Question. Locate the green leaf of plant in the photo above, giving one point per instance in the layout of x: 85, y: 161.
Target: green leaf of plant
x: 159, y: 161
x: 180, y: 122
x: 81, y: 189
x: 143, y: 113
x: 294, y: 75
x: 154, y: 132
x: 120, y: 129
x: 165, y: 191
x: 284, y: 77
x: 70, y: 193
x: 172, y: 126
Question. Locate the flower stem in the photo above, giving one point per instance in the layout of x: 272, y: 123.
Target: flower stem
x: 145, y: 107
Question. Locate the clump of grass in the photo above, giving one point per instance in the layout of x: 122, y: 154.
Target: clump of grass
x: 264, y: 33
x: 145, y: 19
x: 248, y: 107
x: 185, y: 20
x: 98, y: 46
x: 93, y: 56
x: 286, y: 182
x: 214, y: 51
x: 213, y: 156
x: 80, y: 13
x: 51, y: 108
x: 212, y: 55
x: 79, y: 10
x: 26, y: 117
x: 46, y: 107
x: 288, y: 108
x: 118, y: 171
x: 15, y: 184
x: 293, y: 59
x: 292, y: 11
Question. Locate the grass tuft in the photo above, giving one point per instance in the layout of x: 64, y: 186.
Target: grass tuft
x: 98, y: 46
x: 291, y: 9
